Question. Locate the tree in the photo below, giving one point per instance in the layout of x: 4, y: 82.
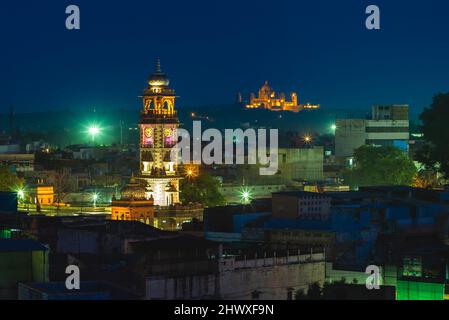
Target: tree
x: 383, y: 165
x: 202, y: 189
x: 9, y: 181
x: 435, y: 119
x: 63, y: 184
x: 315, y: 291
x: 426, y: 179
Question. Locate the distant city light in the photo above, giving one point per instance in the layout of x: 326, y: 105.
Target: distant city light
x: 21, y: 194
x: 95, y: 197
x: 191, y: 171
x: 94, y: 131
x: 246, y: 195
x: 307, y: 138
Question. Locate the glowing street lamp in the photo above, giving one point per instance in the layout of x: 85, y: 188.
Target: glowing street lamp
x: 93, y: 131
x: 307, y: 138
x: 21, y: 194
x: 191, y: 171
x: 95, y: 197
x: 245, y: 195
x: 333, y: 127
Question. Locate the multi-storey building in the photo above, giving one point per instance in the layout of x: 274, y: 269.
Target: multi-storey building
x: 301, y: 205
x: 388, y: 126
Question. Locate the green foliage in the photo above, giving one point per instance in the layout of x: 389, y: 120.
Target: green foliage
x: 9, y: 181
x: 435, y: 119
x: 380, y: 166
x: 329, y: 291
x: 202, y: 189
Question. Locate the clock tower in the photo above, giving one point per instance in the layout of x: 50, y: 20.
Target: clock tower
x: 158, y: 136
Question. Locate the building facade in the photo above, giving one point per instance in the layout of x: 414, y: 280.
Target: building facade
x: 387, y: 126
x: 301, y: 205
x: 133, y: 204
x: 266, y: 278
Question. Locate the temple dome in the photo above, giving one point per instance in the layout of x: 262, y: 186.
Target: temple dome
x: 133, y: 191
x: 158, y: 78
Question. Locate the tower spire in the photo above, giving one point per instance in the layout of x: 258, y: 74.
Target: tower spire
x: 158, y: 65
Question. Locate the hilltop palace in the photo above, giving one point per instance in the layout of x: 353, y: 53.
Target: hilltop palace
x: 269, y: 99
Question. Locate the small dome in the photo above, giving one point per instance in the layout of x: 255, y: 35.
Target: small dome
x: 133, y: 191
x: 158, y: 78
x: 266, y: 87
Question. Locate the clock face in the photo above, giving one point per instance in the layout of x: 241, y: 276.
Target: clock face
x: 148, y: 132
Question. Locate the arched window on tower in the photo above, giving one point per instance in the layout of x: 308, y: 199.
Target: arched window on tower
x: 167, y: 107
x: 149, y: 105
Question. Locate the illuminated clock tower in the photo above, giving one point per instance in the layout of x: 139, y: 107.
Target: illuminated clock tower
x: 158, y: 126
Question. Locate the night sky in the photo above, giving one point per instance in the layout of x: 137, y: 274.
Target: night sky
x: 212, y: 49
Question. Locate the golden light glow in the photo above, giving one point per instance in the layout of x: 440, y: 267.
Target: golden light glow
x: 191, y: 171
x: 269, y: 99
x: 307, y: 138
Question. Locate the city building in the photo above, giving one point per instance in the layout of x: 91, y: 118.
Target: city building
x: 387, y: 126
x: 21, y: 261
x: 225, y: 224
x: 83, y: 236
x: 274, y: 277
x: 350, y: 134
x: 301, y: 163
x: 20, y: 162
x: 133, y: 204
x: 269, y: 99
x: 173, y: 217
x: 40, y: 193
x: 301, y: 205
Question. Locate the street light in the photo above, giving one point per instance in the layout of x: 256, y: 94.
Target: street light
x: 21, y: 194
x: 93, y: 131
x: 245, y: 195
x: 334, y: 127
x: 95, y: 197
x: 191, y: 171
x: 307, y: 138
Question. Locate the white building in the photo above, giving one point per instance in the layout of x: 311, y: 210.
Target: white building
x: 388, y: 126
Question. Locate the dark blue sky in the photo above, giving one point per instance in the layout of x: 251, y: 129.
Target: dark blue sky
x: 212, y: 49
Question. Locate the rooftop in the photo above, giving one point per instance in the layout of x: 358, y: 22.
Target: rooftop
x: 21, y: 245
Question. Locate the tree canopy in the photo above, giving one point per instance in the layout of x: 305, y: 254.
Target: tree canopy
x: 9, y: 180
x: 435, y: 120
x: 202, y: 189
x: 383, y: 165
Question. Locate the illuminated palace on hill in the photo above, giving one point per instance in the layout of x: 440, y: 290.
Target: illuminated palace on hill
x: 269, y: 99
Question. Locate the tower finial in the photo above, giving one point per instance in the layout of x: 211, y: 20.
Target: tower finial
x: 158, y: 65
